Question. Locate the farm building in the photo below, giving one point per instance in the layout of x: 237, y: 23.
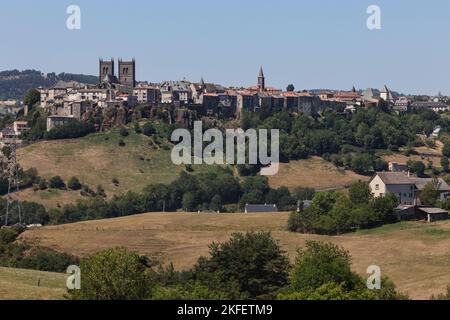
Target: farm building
x: 255, y: 208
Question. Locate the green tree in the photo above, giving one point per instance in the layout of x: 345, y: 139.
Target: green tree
x: 445, y: 164
x: 137, y: 128
x: 254, y: 262
x: 359, y: 193
x: 416, y: 167
x: 290, y: 88
x: 430, y: 193
x: 148, y: 129
x: 74, y: 184
x: 57, y: 183
x: 124, y: 132
x: 321, y: 263
x: 216, y: 203
x: 189, y: 201
x: 32, y: 97
x: 446, y: 149
x: 114, y: 274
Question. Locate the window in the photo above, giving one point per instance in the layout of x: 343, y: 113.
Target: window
x: 377, y: 187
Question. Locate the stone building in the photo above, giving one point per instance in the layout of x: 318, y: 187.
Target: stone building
x: 127, y: 73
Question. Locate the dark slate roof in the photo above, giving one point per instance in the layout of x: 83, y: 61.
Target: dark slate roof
x: 261, y: 208
x: 395, y: 178
x: 422, y: 182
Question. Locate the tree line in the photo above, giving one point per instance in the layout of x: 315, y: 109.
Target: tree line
x: 247, y: 266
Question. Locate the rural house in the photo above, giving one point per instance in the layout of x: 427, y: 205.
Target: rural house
x: 406, y: 188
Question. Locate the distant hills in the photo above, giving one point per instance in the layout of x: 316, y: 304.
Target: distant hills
x: 14, y: 83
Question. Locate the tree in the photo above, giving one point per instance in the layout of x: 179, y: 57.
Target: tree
x: 32, y: 97
x: 57, y: 183
x: 74, y: 184
x: 216, y: 203
x: 137, y: 128
x: 416, y: 167
x: 359, y: 193
x: 290, y: 88
x: 430, y: 193
x: 446, y: 149
x: 254, y: 262
x: 321, y: 263
x: 189, y: 201
x: 114, y: 274
x: 445, y: 164
x: 148, y: 129
x: 124, y: 132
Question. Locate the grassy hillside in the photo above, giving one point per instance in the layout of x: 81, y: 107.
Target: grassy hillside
x: 315, y: 173
x: 415, y: 255
x: 96, y: 160
x: 19, y: 284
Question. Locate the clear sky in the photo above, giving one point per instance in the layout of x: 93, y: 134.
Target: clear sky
x: 312, y: 44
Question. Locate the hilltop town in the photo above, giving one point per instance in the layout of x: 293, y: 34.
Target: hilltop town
x: 71, y: 100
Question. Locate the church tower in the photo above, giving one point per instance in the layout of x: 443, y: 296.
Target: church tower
x: 106, y: 68
x: 127, y: 73
x: 261, y: 81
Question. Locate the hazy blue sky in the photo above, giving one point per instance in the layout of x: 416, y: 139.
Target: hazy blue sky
x: 312, y: 44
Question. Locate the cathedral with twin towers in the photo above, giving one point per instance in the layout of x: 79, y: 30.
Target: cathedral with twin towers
x: 126, y: 76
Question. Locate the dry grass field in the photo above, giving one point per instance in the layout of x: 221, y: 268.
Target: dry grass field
x: 314, y: 173
x: 97, y: 159
x: 415, y: 255
x: 19, y: 284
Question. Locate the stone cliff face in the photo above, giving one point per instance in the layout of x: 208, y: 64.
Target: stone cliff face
x: 115, y: 116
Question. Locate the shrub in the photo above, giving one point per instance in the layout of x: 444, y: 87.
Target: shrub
x: 114, y: 274
x: 57, y: 183
x: 124, y: 132
x: 74, y: 184
x: 122, y: 143
x: 148, y: 129
x: 252, y: 262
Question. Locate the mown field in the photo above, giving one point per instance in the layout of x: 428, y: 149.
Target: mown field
x: 314, y: 173
x: 19, y: 284
x: 415, y: 255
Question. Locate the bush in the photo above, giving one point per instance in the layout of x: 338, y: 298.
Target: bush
x: 253, y: 263
x: 57, y: 183
x: 122, y: 143
x: 73, y: 129
x: 114, y: 274
x: 148, y: 129
x: 115, y: 181
x: 42, y: 184
x: 74, y: 184
x: 320, y: 263
x: 8, y: 235
x: 124, y: 132
x: 137, y: 128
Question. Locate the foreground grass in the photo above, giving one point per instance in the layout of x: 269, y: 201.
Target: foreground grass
x: 20, y: 284
x: 415, y: 255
